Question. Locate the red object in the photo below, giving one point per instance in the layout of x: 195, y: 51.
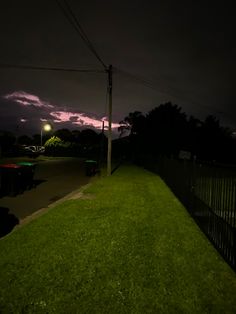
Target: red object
x: 14, y: 166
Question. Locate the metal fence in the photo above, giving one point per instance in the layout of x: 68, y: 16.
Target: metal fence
x: 209, y: 194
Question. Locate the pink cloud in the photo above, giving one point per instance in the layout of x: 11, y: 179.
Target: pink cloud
x: 56, y: 113
x: 81, y: 119
x: 27, y: 99
x: 23, y: 102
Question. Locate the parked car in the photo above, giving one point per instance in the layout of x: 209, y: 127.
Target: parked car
x: 34, y: 151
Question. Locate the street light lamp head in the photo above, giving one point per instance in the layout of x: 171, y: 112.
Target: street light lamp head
x: 47, y: 127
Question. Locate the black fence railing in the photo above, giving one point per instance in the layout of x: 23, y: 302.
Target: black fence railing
x: 209, y: 194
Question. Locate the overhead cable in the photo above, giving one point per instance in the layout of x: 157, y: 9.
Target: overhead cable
x: 68, y: 13
x: 136, y: 78
x: 150, y: 84
x: 44, y: 68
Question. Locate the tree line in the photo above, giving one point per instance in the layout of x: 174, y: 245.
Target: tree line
x: 166, y: 130
x: 60, y: 142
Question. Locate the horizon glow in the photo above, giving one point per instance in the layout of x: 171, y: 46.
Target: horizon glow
x: 55, y: 112
x: 81, y: 119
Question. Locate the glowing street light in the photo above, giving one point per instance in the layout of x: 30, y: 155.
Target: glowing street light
x: 45, y: 127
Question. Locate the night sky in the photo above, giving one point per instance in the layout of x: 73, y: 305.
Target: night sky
x: 184, y: 49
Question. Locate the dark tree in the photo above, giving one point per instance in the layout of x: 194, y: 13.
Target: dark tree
x: 90, y: 144
x: 75, y: 136
x: 7, y: 140
x: 134, y: 123
x: 216, y: 142
x: 166, y: 129
x: 24, y: 140
x: 193, y: 136
x: 88, y: 137
x: 64, y: 134
x: 36, y: 139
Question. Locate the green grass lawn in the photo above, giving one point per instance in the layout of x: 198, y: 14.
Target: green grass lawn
x: 128, y: 247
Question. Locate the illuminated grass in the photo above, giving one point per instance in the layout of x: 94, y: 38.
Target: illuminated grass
x: 129, y: 248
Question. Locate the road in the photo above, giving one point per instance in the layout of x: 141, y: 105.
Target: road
x: 55, y: 178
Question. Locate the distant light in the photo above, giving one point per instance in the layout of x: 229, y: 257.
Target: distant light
x: 47, y: 127
x: 23, y: 120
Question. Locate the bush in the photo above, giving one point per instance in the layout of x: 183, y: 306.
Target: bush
x: 56, y: 147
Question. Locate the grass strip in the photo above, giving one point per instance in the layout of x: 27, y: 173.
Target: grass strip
x: 130, y: 248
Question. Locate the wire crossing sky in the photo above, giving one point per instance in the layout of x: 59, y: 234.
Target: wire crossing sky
x: 75, y: 23
x: 162, y: 51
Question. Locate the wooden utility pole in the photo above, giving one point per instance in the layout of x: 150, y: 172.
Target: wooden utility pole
x: 109, y: 120
x: 102, y: 145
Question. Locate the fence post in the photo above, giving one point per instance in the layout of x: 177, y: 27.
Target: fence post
x: 193, y: 184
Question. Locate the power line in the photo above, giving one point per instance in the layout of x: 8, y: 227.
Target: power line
x: 150, y: 84
x: 70, y: 16
x: 43, y: 68
x: 79, y: 30
x: 138, y: 79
